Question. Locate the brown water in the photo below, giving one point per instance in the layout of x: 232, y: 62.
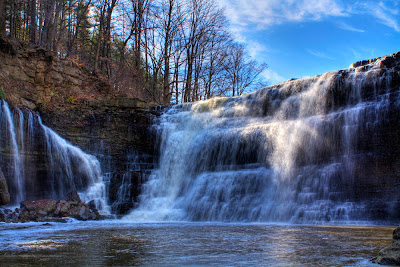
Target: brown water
x: 171, y: 244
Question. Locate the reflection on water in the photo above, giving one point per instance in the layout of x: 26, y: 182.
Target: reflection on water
x: 123, y: 244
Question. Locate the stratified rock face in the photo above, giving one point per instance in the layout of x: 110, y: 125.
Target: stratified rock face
x: 391, y: 254
x: 4, y: 194
x: 80, y: 107
x: 32, y: 77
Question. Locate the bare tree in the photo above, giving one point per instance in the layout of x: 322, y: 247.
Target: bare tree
x: 169, y: 50
x: 33, y: 25
x: 241, y: 70
x: 48, y: 22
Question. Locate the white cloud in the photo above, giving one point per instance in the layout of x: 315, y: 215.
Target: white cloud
x: 255, y: 49
x: 356, y: 54
x: 347, y: 27
x: 272, y: 76
x: 385, y: 12
x: 319, y: 54
x: 385, y: 16
x: 264, y: 13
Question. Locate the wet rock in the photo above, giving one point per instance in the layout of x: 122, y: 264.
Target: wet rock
x: 390, y: 255
x: 387, y: 61
x: 72, y: 206
x: 43, y: 206
x: 359, y: 63
x: 4, y: 194
x: 46, y: 210
x: 72, y: 197
x: 3, y: 217
x: 92, y: 205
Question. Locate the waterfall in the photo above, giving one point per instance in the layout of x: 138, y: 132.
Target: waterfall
x: 137, y: 170
x: 70, y: 169
x: 17, y: 166
x: 31, y: 132
x: 44, y: 165
x: 299, y: 151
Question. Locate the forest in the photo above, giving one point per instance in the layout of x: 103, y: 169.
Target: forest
x: 164, y: 51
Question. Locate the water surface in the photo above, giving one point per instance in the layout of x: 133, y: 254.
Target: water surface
x: 170, y: 244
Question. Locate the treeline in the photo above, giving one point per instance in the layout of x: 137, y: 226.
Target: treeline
x: 166, y: 51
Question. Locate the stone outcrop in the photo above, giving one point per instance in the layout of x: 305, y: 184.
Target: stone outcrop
x: 390, y: 255
x: 4, y: 194
x: 34, y: 77
x: 51, y: 210
x: 81, y: 107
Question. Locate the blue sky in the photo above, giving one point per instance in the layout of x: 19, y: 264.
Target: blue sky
x: 299, y: 38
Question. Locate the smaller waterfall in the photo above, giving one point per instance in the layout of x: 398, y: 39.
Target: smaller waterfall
x: 137, y: 171
x: 17, y: 167
x: 21, y: 141
x: 72, y: 169
x: 39, y: 164
x: 31, y: 131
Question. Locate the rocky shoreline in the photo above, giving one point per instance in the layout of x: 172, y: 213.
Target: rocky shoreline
x: 390, y: 255
x: 50, y: 210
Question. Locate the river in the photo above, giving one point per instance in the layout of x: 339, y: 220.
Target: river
x: 122, y: 243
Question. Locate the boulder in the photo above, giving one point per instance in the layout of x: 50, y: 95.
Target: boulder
x: 39, y: 206
x: 4, y: 194
x: 72, y: 197
x: 390, y: 255
x: 3, y: 217
x: 72, y: 206
x: 51, y: 210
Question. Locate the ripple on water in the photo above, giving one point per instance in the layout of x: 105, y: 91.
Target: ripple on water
x: 129, y: 244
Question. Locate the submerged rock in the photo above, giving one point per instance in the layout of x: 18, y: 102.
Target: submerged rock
x: 390, y: 255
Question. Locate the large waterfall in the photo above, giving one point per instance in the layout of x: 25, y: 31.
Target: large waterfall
x: 38, y: 163
x: 307, y: 150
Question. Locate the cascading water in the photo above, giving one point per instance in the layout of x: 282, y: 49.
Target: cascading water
x: 293, y: 152
x: 71, y: 169
x: 137, y: 171
x: 44, y: 165
x: 16, y: 168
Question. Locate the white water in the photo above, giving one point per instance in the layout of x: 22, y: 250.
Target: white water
x: 67, y: 167
x: 137, y: 170
x: 283, y: 154
x: 72, y: 169
x: 17, y: 167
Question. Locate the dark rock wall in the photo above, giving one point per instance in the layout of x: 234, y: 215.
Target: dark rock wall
x: 80, y: 107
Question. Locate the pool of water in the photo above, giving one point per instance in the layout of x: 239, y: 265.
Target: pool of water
x: 169, y: 244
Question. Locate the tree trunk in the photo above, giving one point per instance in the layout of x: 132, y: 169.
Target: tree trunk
x: 33, y: 26
x: 2, y: 17
x: 48, y: 17
x: 99, y: 40
x: 51, y: 41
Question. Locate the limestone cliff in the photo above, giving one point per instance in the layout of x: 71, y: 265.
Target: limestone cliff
x: 81, y: 107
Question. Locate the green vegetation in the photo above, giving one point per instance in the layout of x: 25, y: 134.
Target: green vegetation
x: 2, y: 94
x: 70, y: 100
